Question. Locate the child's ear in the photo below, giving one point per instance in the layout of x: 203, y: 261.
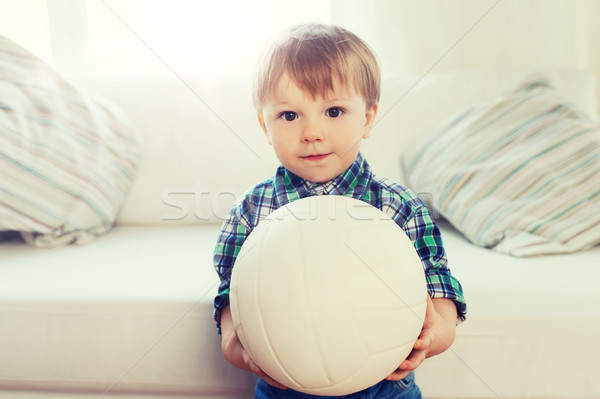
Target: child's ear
x: 370, y: 120
x: 261, y: 122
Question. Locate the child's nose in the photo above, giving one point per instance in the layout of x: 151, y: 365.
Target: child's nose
x: 312, y: 132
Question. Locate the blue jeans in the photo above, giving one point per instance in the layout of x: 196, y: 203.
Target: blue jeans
x: 403, y: 389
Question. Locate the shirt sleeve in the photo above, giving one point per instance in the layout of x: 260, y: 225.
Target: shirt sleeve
x: 427, y: 240
x: 233, y: 234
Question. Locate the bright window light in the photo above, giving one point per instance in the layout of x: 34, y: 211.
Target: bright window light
x: 200, y: 37
x: 25, y: 22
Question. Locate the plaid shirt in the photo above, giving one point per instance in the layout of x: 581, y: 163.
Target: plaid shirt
x: 403, y: 206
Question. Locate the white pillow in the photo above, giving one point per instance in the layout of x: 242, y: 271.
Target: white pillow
x: 412, y: 106
x: 519, y: 173
x: 66, y: 159
x: 203, y: 147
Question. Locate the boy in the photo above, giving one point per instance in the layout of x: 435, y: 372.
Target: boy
x: 316, y: 97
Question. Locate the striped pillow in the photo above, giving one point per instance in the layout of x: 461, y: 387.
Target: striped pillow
x: 66, y: 159
x: 519, y: 174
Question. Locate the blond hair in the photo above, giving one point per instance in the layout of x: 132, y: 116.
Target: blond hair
x: 315, y: 56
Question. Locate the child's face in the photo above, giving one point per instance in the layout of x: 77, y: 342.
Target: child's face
x: 315, y: 138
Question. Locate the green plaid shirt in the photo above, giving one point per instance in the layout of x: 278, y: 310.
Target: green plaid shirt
x: 403, y: 206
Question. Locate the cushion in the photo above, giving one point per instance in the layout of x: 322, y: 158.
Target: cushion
x: 519, y: 173
x: 198, y: 183
x: 67, y: 158
x: 411, y: 106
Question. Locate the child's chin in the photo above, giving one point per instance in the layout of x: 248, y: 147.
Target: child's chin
x: 319, y: 178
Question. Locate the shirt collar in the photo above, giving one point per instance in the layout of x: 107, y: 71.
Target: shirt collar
x: 352, y: 182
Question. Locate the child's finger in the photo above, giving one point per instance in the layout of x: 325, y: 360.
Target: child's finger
x: 413, y: 361
x: 398, y: 375
x: 425, y: 339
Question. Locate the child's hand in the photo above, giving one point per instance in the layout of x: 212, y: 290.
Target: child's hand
x: 249, y: 363
x: 436, y: 336
x: 234, y: 351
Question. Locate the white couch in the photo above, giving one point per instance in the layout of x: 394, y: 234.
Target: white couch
x: 129, y: 315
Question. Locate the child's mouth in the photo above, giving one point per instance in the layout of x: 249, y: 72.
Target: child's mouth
x: 316, y: 157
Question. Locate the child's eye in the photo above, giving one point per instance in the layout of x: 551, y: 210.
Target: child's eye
x: 289, y: 116
x: 334, y: 112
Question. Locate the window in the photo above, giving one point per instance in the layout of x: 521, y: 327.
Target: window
x: 188, y: 36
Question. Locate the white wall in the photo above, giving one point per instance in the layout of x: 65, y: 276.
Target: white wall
x: 409, y: 36
x: 422, y: 36
x: 26, y: 22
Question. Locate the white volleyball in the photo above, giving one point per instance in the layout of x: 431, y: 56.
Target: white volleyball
x: 328, y: 295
